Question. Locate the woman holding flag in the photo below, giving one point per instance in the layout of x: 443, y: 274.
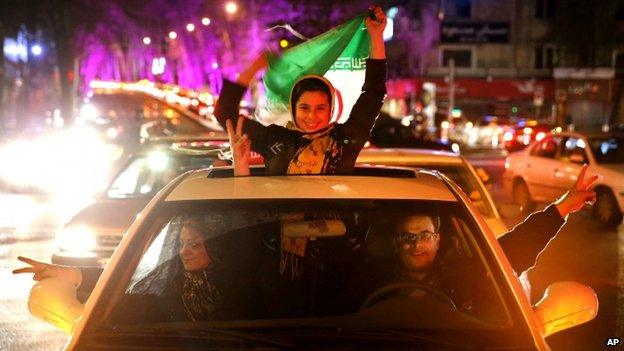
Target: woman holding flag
x: 311, y: 144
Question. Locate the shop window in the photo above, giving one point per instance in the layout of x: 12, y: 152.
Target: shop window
x: 545, y: 56
x: 458, y: 8
x: 619, y: 62
x: 544, y: 8
x: 619, y: 13
x: 461, y: 57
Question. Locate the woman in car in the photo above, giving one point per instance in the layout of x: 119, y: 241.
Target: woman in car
x: 192, y: 285
x: 311, y: 144
x: 191, y: 282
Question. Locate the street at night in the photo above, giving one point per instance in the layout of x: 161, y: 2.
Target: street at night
x: 312, y: 174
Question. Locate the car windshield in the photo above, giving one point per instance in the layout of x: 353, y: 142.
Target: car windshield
x: 309, y: 264
x: 608, y: 150
x: 146, y: 174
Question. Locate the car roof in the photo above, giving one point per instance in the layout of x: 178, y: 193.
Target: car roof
x: 191, y: 146
x: 364, y: 183
x: 407, y: 156
x: 212, y: 136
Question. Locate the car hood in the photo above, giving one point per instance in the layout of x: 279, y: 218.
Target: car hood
x: 110, y: 213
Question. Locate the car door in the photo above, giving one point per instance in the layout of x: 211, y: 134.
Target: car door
x: 572, y: 156
x: 542, y: 164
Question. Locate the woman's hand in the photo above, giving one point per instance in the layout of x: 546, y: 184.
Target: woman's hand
x: 240, y: 145
x: 375, y: 28
x: 579, y: 195
x: 44, y: 270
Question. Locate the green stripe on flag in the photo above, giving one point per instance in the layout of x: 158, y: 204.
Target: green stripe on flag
x: 348, y: 43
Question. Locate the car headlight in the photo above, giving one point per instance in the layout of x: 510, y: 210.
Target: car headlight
x: 76, y: 239
x: 88, y: 112
x: 112, y: 133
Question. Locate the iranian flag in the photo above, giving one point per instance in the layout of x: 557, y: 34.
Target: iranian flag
x: 338, y: 54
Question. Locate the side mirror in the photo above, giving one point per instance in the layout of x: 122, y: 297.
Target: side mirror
x: 510, y: 210
x: 565, y: 305
x: 54, y: 301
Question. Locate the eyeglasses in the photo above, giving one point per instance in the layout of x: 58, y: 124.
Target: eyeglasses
x: 408, y: 238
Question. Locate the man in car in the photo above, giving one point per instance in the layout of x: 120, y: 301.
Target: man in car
x: 417, y: 240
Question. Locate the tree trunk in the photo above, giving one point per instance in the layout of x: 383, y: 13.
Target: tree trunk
x: 63, y: 33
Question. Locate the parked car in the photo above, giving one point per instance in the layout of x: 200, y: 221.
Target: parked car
x: 91, y: 236
x: 525, y: 132
x: 450, y: 164
x: 310, y: 300
x: 547, y: 168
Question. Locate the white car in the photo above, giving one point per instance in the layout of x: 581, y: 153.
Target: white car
x: 547, y: 168
x: 450, y: 164
x: 91, y: 235
x: 295, y: 254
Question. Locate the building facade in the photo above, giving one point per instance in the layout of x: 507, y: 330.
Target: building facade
x: 512, y: 58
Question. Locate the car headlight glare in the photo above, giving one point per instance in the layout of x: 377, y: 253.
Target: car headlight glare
x: 76, y: 239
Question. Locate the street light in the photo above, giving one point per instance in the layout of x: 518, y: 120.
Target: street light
x: 158, y: 65
x: 190, y: 27
x: 205, y: 21
x: 36, y: 49
x: 173, y: 35
x: 147, y: 40
x: 231, y: 7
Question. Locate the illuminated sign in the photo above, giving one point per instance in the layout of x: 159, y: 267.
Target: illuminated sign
x: 474, y: 32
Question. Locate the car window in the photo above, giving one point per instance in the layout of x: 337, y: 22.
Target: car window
x: 608, y: 149
x: 147, y: 174
x: 277, y: 260
x: 573, y: 150
x: 173, y: 119
x: 547, y: 148
x: 162, y: 119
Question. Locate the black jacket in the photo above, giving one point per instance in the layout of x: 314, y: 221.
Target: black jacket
x: 523, y: 244
x: 278, y: 144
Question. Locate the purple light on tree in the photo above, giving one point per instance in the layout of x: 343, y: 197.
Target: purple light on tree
x: 116, y: 49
